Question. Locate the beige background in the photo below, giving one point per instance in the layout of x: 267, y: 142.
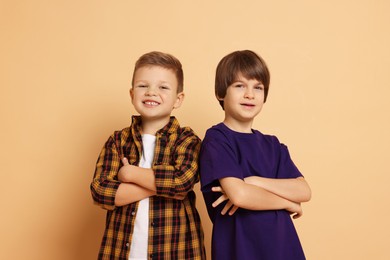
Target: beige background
x: 65, y: 69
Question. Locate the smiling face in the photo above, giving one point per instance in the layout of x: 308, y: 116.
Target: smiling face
x: 154, y: 93
x: 244, y: 100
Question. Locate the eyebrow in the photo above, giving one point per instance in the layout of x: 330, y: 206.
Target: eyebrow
x: 241, y: 81
x: 145, y: 80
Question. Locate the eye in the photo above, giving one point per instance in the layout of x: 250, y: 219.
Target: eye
x: 238, y: 85
x: 164, y: 87
x: 259, y: 87
x: 141, y: 86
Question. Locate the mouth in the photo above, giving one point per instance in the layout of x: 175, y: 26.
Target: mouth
x: 151, y: 103
x: 247, y: 105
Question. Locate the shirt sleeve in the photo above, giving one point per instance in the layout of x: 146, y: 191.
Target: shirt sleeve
x: 287, y: 168
x: 105, y: 182
x: 218, y: 160
x: 182, y: 175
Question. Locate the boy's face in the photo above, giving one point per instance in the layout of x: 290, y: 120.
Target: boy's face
x: 154, y: 92
x: 244, y: 100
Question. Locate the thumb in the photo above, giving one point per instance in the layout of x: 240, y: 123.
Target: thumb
x: 125, y: 161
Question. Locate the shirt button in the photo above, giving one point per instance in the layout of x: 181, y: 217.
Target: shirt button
x: 127, y: 244
x: 133, y: 213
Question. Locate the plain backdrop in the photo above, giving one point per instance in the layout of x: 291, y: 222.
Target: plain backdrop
x: 65, y: 72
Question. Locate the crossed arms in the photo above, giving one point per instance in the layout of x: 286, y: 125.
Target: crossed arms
x: 136, y: 184
x: 117, y: 183
x: 258, y: 193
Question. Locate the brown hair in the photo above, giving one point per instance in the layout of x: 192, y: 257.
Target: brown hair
x: 164, y: 60
x: 248, y: 64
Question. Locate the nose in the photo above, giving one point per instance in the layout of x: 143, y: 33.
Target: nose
x: 249, y: 93
x: 150, y: 91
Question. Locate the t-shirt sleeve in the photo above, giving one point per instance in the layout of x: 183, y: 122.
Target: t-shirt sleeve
x: 217, y: 160
x: 287, y: 168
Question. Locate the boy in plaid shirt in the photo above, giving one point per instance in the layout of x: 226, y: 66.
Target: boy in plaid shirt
x: 145, y: 173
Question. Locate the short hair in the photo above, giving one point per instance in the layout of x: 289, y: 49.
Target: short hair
x: 164, y: 60
x: 248, y: 64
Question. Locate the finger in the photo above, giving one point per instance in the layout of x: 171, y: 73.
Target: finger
x: 298, y: 215
x: 125, y: 161
x: 233, y: 210
x: 217, y: 189
x: 226, y: 208
x: 221, y: 199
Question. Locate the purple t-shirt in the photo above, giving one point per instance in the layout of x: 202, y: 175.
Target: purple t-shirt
x: 248, y: 234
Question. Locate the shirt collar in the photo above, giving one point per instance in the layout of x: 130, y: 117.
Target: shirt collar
x: 169, y: 128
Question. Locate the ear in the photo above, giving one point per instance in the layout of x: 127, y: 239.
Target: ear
x: 179, y: 100
x: 131, y: 94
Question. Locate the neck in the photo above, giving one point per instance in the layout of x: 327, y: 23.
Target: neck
x: 239, y: 126
x: 151, y: 126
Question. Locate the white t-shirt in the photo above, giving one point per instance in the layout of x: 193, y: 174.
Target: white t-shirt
x: 139, y: 243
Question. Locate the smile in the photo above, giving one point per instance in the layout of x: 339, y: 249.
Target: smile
x: 151, y: 103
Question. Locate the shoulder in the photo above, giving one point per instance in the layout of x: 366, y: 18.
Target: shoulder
x: 270, y: 142
x: 218, y: 140
x: 188, y: 131
x: 187, y: 134
x: 181, y: 135
x: 118, y: 137
x: 267, y: 138
x: 121, y: 134
x: 218, y: 133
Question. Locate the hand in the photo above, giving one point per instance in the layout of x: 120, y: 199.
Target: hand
x: 295, y: 209
x: 124, y: 170
x: 222, y: 198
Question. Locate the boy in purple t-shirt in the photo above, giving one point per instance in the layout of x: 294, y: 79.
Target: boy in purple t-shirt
x: 249, y: 182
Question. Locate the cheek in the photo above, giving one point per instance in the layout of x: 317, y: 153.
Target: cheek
x: 136, y: 97
x: 170, y: 97
x: 260, y: 96
x: 229, y: 98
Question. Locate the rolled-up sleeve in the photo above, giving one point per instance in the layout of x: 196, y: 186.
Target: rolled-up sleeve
x: 105, y: 182
x: 182, y: 174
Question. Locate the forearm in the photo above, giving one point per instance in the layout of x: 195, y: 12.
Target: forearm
x: 256, y: 198
x: 295, y: 189
x: 143, y: 177
x: 146, y: 178
x: 129, y: 193
x: 248, y: 196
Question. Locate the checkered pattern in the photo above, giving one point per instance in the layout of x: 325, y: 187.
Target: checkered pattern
x: 175, y: 230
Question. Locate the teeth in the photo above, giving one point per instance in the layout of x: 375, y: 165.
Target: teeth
x: 151, y: 103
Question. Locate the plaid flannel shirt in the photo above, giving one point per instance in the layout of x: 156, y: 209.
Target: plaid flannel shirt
x: 175, y: 231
